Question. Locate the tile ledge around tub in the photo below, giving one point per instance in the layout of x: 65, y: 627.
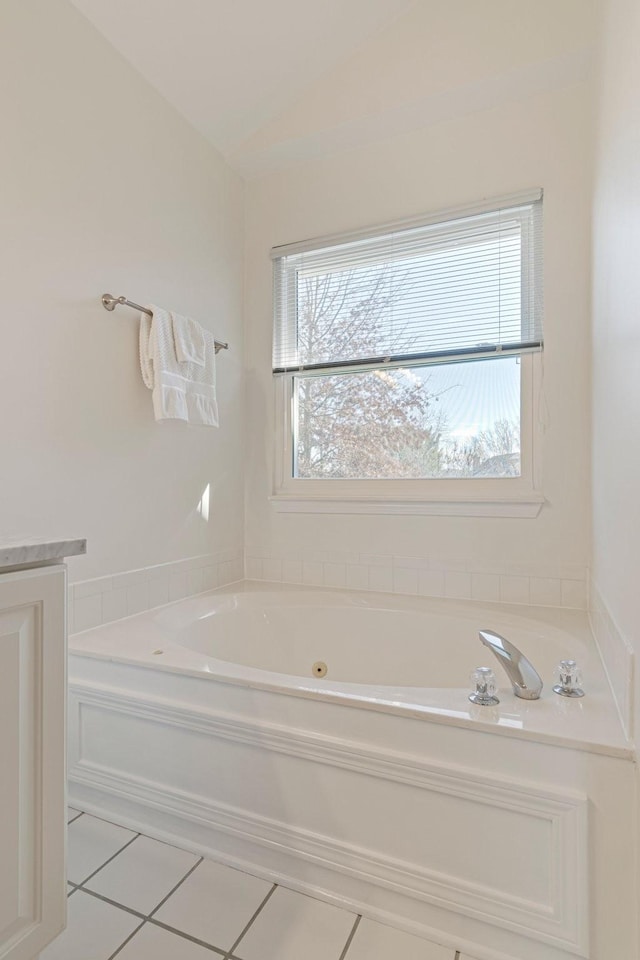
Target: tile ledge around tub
x: 159, y: 606
x: 281, y: 583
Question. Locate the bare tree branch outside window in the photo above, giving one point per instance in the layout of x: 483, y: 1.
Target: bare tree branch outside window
x: 382, y: 423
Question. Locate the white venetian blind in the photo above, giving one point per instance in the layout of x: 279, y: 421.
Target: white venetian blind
x: 436, y: 291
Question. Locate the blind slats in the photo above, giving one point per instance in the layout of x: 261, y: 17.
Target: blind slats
x: 444, y: 290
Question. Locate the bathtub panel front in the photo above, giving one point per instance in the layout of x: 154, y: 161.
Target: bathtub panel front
x: 448, y: 836
x: 448, y: 827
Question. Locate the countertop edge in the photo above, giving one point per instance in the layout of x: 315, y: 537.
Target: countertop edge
x: 25, y: 552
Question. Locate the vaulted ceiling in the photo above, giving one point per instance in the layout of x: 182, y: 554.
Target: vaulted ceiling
x: 229, y: 66
x: 272, y: 83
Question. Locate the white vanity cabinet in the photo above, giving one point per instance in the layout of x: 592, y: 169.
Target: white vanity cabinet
x: 32, y: 759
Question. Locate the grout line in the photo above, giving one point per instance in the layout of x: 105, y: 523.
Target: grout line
x: 91, y: 875
x: 149, y: 919
x: 350, y: 937
x: 173, y: 889
x: 113, y: 903
x: 125, y: 942
x: 73, y: 819
x: 187, y: 936
x: 117, y: 903
x: 237, y: 941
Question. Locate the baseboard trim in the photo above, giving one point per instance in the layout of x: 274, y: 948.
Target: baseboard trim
x: 93, y: 803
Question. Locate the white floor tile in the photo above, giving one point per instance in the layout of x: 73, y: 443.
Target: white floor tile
x: 154, y: 943
x: 71, y: 813
x: 94, y: 930
x: 374, y: 941
x: 214, y: 904
x: 292, y: 926
x: 91, y: 843
x: 143, y: 874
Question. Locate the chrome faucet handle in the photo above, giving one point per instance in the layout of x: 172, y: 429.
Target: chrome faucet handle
x: 569, y: 677
x: 484, y: 682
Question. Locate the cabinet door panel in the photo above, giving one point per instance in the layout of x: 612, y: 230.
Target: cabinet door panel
x: 32, y: 683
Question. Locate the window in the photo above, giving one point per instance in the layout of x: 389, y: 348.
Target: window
x: 405, y: 361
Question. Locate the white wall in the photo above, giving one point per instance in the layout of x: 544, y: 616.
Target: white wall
x: 616, y: 328
x: 540, y: 140
x: 107, y: 188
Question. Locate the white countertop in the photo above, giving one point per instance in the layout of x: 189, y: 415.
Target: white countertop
x: 28, y: 552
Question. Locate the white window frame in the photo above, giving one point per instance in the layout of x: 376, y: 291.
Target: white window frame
x: 519, y: 497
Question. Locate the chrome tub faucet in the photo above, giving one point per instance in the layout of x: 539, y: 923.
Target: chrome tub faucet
x: 525, y: 680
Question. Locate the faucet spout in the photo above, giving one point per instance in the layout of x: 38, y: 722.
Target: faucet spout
x: 525, y: 680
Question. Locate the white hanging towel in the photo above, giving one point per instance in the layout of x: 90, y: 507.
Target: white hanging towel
x: 190, y: 341
x: 181, y: 389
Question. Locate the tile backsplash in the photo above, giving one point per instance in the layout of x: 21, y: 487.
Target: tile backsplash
x: 98, y: 601
x: 550, y: 585
x: 616, y: 654
x: 93, y: 602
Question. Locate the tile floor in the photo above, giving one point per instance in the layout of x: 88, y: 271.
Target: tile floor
x: 135, y: 898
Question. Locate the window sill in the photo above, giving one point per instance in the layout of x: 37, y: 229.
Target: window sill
x: 525, y: 506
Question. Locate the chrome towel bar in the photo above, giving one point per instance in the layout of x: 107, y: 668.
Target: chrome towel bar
x: 110, y: 303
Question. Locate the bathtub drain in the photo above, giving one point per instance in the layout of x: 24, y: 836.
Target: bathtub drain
x: 319, y: 669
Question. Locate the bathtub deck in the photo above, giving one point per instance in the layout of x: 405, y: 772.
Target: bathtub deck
x: 135, y: 898
x: 157, y: 640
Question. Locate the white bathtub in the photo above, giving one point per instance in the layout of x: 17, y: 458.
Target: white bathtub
x: 382, y: 652
x: 379, y: 785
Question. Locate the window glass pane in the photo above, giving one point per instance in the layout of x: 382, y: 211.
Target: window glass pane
x: 447, y: 421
